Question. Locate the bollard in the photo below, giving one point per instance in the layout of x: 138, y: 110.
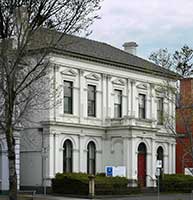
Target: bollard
x: 91, y: 186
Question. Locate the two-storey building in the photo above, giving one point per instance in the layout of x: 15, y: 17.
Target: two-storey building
x: 111, y: 113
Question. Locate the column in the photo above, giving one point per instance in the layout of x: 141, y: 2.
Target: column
x: 134, y: 155
x: 56, y: 154
x: 153, y: 105
x: 50, y: 166
x: 108, y: 94
x: 125, y: 154
x: 153, y: 161
x: 128, y: 97
x: 174, y: 158
x: 81, y: 93
x: 170, y: 158
x: 104, y: 97
x: 149, y: 169
x: 99, y: 167
x: 75, y: 163
x: 148, y: 102
x: 166, y: 163
x: 134, y: 106
x: 81, y: 152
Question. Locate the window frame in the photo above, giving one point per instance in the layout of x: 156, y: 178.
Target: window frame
x: 91, y: 102
x: 142, y: 109
x: 160, y: 112
x: 91, y: 162
x: 119, y: 105
x: 67, y: 161
x: 69, y: 98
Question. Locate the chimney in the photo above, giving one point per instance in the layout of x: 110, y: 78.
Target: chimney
x: 130, y: 47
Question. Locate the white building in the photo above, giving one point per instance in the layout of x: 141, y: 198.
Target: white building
x: 110, y: 115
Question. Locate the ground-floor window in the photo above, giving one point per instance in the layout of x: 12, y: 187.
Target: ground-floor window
x: 67, y: 156
x: 91, y: 158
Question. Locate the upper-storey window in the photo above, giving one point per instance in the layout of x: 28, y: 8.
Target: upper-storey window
x: 118, y: 104
x: 92, y: 100
x: 68, y: 85
x: 160, y: 110
x: 142, y: 108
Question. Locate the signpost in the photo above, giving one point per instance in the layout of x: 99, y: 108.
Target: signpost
x: 158, y: 169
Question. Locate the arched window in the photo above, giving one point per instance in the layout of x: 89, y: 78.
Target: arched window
x: 67, y: 156
x: 91, y: 158
x: 160, y: 155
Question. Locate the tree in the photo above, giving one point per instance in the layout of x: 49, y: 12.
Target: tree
x: 183, y: 61
x: 21, y: 76
x: 180, y: 61
x: 162, y: 58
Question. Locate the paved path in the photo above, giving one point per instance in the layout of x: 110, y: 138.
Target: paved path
x: 132, y: 197
x: 154, y: 197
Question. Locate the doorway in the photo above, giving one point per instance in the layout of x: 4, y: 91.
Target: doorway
x: 142, y: 165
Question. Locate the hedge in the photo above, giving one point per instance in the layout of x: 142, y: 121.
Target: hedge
x: 77, y: 183
x: 176, y: 183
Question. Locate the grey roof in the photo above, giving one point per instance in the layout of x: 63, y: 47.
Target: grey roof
x: 98, y: 51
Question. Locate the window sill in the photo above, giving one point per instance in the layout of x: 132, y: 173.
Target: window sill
x: 92, y: 118
x: 68, y: 115
x: 145, y: 120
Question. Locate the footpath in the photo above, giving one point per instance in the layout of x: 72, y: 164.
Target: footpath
x: 187, y: 196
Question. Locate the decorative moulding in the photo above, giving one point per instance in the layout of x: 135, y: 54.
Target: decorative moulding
x: 93, y: 76
x: 118, y: 82
x: 142, y: 86
x: 69, y: 72
x: 159, y: 89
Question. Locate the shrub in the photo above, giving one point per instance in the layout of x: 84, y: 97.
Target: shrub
x: 70, y: 183
x: 77, y: 183
x: 177, y: 183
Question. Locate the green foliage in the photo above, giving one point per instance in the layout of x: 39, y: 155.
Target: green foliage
x: 177, y: 183
x: 78, y: 183
x: 181, y: 61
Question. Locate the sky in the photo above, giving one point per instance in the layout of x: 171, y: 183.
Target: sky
x: 152, y: 24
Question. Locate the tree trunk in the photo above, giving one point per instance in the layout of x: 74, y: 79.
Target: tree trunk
x: 12, y: 167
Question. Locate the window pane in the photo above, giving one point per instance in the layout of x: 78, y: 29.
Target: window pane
x: 91, y: 92
x: 117, y: 103
x: 117, y: 110
x: 68, y: 97
x: 118, y: 94
x: 142, y: 106
x: 91, y: 100
x: 91, y: 158
x: 67, y: 156
x: 160, y: 110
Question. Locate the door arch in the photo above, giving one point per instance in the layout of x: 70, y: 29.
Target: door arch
x: 141, y: 172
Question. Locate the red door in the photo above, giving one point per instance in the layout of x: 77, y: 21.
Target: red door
x: 142, y: 168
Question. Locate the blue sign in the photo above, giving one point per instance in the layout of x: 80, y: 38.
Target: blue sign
x: 109, y: 171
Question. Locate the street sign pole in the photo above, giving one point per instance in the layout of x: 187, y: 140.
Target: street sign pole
x: 158, y: 188
x: 158, y: 182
